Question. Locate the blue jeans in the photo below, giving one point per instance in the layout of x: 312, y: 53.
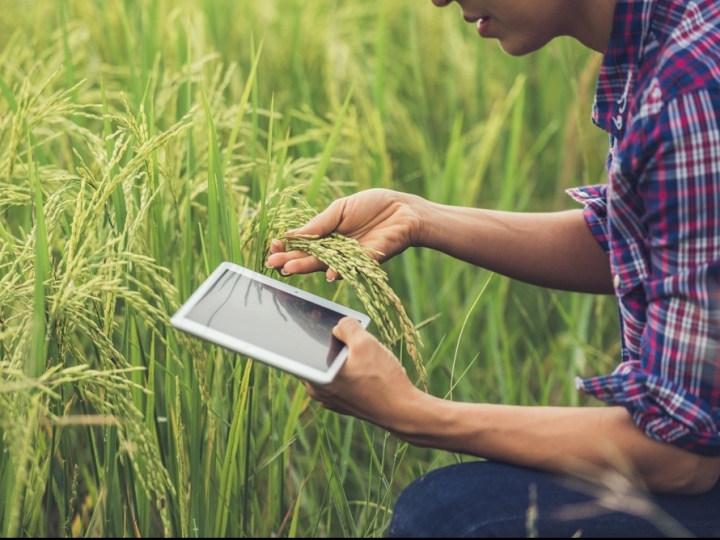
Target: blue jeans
x: 488, y: 499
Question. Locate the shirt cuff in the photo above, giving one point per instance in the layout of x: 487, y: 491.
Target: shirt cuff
x: 594, y: 198
x: 662, y: 410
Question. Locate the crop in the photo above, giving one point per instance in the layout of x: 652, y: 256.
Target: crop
x: 143, y: 142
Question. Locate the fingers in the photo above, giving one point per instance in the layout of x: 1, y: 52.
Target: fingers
x: 324, y: 223
x: 294, y: 262
x: 325, y: 401
x: 300, y: 262
x: 332, y: 275
x: 311, y: 390
x: 350, y: 331
x: 276, y: 246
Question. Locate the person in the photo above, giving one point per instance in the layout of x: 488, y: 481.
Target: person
x: 650, y: 235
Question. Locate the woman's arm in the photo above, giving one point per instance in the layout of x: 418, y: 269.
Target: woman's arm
x: 554, y: 250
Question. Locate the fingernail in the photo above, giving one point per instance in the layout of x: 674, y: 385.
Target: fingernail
x: 283, y: 272
x: 289, y: 233
x: 330, y: 279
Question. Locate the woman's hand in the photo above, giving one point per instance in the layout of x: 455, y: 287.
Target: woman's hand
x: 371, y: 385
x: 382, y: 220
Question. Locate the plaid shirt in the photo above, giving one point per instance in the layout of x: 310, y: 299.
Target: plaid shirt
x: 658, y: 216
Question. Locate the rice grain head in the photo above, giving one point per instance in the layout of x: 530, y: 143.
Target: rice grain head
x: 287, y: 210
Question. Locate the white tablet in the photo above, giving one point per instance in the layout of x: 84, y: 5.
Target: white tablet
x: 268, y: 320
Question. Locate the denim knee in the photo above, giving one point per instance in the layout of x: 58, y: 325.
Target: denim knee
x: 489, y: 499
x: 465, y: 500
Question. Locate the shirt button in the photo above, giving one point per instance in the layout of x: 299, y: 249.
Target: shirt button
x: 616, y: 281
x: 608, y: 391
x: 584, y: 194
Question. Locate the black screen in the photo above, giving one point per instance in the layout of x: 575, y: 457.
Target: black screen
x: 263, y: 315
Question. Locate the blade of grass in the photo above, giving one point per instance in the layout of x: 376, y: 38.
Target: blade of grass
x: 36, y: 362
x: 227, y: 479
x: 244, y: 98
x: 342, y: 507
x: 263, y: 221
x: 346, y: 447
x: 179, y: 429
x: 254, y: 120
x: 130, y: 53
x: 118, y: 197
x: 69, y: 67
x: 279, y: 179
x: 491, y: 136
x: 157, y: 223
x: 292, y: 532
x: 513, y: 185
x: 380, y: 59
x: 319, y: 176
x: 462, y: 331
x: 216, y: 209
x: 8, y: 95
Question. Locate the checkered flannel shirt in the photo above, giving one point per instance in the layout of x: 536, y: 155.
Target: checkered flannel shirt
x: 658, y: 217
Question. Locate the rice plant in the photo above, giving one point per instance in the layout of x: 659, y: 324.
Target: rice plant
x: 143, y: 142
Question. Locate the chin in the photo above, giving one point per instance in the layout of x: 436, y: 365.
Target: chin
x: 521, y: 48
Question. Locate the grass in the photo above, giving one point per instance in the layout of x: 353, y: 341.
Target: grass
x: 141, y: 143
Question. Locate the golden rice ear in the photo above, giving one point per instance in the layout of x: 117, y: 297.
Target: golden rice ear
x: 288, y: 210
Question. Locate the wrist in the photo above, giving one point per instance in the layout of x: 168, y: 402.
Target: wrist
x: 421, y: 229
x: 420, y: 419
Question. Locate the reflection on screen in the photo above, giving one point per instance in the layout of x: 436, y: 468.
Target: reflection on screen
x: 275, y: 320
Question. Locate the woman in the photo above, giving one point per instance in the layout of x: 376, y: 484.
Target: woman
x: 651, y: 236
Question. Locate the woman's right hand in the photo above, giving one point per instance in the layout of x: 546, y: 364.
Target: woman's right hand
x: 380, y: 219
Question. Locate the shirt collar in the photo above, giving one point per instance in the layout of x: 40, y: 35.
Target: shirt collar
x: 631, y: 26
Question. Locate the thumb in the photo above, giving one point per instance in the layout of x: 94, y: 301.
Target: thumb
x: 324, y: 223
x: 349, y: 331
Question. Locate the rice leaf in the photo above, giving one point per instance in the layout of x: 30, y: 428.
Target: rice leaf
x: 241, y: 108
x: 319, y: 176
x: 38, y: 355
x: 227, y: 479
x: 69, y: 67
x: 216, y: 207
x: 292, y: 532
x: 8, y: 94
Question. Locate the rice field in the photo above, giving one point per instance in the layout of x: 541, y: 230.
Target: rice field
x: 143, y: 142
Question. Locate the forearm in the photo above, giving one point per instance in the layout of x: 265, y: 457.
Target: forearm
x: 554, y: 250
x: 555, y: 439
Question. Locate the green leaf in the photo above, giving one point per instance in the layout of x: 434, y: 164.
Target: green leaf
x: 7, y: 93
x: 35, y: 363
x: 317, y: 179
x: 241, y: 109
x: 216, y: 202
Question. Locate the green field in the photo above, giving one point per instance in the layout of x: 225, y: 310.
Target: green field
x: 142, y: 142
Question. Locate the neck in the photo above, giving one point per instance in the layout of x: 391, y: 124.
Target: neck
x: 591, y: 22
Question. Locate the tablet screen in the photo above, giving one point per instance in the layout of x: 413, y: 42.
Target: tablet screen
x: 263, y: 315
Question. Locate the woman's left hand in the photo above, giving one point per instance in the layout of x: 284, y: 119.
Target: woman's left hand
x: 372, y: 385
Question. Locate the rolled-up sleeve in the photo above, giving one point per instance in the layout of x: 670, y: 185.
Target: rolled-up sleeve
x: 595, y: 200
x: 669, y: 379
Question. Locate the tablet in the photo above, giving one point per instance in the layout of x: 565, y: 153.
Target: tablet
x: 268, y: 320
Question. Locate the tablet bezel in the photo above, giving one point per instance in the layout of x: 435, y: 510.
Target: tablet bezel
x: 180, y: 321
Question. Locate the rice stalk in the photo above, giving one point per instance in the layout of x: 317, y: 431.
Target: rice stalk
x: 183, y: 475
x: 287, y: 210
